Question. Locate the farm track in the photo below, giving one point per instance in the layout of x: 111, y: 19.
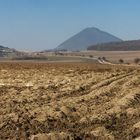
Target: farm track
x: 75, y: 101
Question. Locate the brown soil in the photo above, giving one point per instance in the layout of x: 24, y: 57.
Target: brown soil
x: 74, y: 101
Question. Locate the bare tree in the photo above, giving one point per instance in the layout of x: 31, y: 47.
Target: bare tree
x: 121, y: 61
x: 137, y: 60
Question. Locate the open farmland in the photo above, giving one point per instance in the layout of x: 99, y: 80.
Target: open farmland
x: 69, y: 101
x: 112, y: 56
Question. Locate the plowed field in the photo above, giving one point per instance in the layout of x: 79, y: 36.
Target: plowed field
x: 74, y: 101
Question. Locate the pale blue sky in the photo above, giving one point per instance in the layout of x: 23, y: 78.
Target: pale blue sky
x: 44, y: 24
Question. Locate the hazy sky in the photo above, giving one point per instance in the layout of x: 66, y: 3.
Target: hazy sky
x: 44, y: 24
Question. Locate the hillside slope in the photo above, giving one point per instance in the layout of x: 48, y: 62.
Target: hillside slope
x: 8, y: 53
x: 117, y: 46
x: 87, y: 37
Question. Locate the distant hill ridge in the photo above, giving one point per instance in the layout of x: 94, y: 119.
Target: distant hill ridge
x: 8, y: 52
x: 133, y: 45
x: 87, y: 37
